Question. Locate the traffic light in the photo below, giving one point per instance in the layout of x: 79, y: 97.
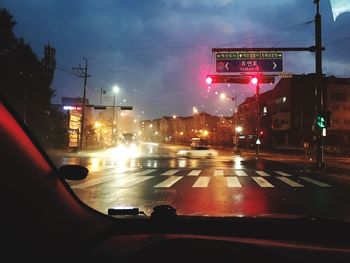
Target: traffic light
x: 262, y: 79
x: 323, y: 119
x: 99, y: 107
x: 126, y: 107
x: 209, y: 80
x: 254, y: 80
x: 226, y: 79
x: 240, y: 79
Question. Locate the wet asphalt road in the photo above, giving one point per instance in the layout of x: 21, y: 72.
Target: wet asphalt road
x: 229, y: 185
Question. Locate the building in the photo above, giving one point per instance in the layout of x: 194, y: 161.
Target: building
x: 213, y: 130
x: 287, y: 113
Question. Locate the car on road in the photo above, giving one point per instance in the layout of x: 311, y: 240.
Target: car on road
x: 128, y: 140
x: 198, y: 152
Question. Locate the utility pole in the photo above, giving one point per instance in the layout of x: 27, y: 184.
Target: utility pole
x: 319, y: 92
x: 82, y: 73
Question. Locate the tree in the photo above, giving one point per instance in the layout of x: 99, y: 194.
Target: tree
x: 23, y: 79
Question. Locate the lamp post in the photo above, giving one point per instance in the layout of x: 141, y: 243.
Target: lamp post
x: 234, y: 98
x: 115, y: 91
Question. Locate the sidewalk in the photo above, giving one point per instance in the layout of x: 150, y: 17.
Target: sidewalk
x: 335, y: 167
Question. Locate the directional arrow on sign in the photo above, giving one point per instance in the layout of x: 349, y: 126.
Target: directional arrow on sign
x: 274, y: 64
x: 226, y: 66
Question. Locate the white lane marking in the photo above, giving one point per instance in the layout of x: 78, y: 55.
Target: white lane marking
x: 128, y: 182
x: 289, y: 181
x: 218, y: 173
x: 145, y: 172
x: 232, y: 181
x: 202, y: 181
x: 240, y: 173
x: 282, y: 173
x: 308, y: 179
x: 194, y: 173
x: 262, y: 173
x: 261, y: 181
x: 170, y: 172
x: 169, y: 182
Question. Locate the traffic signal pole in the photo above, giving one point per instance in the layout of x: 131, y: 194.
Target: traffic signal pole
x: 319, y: 87
x: 257, y: 143
x: 319, y: 92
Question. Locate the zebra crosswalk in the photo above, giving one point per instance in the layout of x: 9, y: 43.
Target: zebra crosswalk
x: 196, y: 179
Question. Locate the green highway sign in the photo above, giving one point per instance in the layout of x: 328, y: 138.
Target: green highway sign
x: 249, y: 61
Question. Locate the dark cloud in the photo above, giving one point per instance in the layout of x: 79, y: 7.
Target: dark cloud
x: 159, y: 51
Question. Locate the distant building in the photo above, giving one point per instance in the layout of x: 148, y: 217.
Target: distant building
x: 214, y: 130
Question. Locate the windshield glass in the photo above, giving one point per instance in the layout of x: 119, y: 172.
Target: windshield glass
x: 217, y: 108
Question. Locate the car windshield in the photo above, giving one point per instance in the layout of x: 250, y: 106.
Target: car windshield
x: 128, y: 88
x: 200, y: 148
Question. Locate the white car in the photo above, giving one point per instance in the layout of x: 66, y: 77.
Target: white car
x: 198, y: 152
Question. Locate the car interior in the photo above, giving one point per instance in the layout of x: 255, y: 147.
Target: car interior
x: 42, y: 220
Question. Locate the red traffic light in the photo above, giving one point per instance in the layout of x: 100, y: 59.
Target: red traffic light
x: 209, y: 80
x: 254, y: 80
x: 239, y: 79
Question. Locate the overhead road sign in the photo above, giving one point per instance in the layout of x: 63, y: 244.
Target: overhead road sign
x: 277, y: 49
x: 249, y: 61
x: 99, y: 107
x: 126, y: 107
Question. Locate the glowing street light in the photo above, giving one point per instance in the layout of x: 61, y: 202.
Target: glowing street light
x: 239, y: 129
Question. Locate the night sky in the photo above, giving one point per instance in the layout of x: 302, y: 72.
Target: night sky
x: 159, y: 51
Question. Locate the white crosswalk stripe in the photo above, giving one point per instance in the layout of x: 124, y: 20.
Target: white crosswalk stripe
x: 262, y: 173
x: 232, y: 181
x: 313, y: 181
x: 194, y: 172
x: 168, y: 182
x: 261, y: 181
x: 170, y: 172
x: 233, y: 178
x: 241, y: 173
x: 282, y: 173
x: 289, y: 181
x: 202, y: 181
x: 219, y: 173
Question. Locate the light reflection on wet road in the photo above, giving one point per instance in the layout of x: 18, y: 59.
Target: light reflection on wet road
x: 221, y: 187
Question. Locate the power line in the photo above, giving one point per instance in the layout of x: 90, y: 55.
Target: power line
x: 266, y: 35
x: 66, y: 71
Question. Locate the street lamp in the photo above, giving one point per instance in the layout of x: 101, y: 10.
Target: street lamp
x: 115, y: 91
x: 223, y: 96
